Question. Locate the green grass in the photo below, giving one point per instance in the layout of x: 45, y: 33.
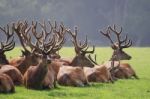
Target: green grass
x: 121, y: 89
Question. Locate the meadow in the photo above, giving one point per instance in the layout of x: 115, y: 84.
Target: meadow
x: 121, y: 89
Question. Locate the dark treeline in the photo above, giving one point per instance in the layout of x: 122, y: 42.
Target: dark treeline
x: 89, y: 15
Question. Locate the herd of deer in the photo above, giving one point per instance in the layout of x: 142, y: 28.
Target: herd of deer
x: 41, y: 66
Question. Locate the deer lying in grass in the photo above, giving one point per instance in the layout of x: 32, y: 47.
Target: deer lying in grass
x: 43, y: 74
x: 73, y: 73
x: 6, y: 84
x: 67, y: 75
x: 72, y: 76
x: 99, y: 73
x: 6, y: 68
x: 122, y: 70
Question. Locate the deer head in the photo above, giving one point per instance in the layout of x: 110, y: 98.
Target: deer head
x: 8, y: 45
x: 119, y: 45
x: 81, y: 50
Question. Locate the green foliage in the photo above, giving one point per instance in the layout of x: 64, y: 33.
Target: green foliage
x: 121, y: 89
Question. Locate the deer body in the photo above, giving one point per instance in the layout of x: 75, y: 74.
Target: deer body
x: 6, y: 84
x: 35, y: 75
x: 14, y: 74
x: 123, y: 70
x: 71, y: 76
x: 98, y: 74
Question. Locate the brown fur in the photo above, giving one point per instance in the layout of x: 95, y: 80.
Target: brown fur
x: 71, y: 76
x: 50, y: 78
x: 125, y: 71
x: 82, y: 61
x: 14, y: 74
x: 16, y: 61
x: 66, y: 61
x: 56, y: 66
x: 35, y: 76
x: 98, y: 74
x: 6, y: 84
x: 23, y: 63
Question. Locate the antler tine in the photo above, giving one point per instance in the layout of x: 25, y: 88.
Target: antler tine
x: 34, y: 32
x: 7, y: 32
x: 52, y: 44
x: 55, y: 25
x: 7, y: 45
x: 85, y: 51
x: 118, y: 34
x: 51, y: 27
x: 74, y: 36
x: 95, y: 58
x: 107, y: 34
x: 127, y: 44
x: 34, y: 46
x: 124, y: 40
x: 84, y: 45
x: 44, y: 30
x: 60, y: 43
x: 114, y: 30
x: 92, y: 50
x: 62, y: 30
x: 89, y: 56
x: 21, y: 29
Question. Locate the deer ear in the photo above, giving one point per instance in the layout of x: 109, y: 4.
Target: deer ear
x: 23, y: 52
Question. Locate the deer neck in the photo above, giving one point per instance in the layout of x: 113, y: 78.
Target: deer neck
x: 3, y: 60
x: 24, y: 65
x: 41, y: 70
x: 115, y: 57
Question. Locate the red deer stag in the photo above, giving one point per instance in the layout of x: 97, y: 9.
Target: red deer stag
x: 99, y: 73
x: 28, y: 57
x: 73, y: 74
x: 6, y: 68
x: 123, y: 70
x: 69, y: 76
x: 42, y: 75
x: 81, y: 50
x: 54, y: 30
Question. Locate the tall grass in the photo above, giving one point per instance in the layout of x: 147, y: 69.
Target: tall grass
x: 121, y: 89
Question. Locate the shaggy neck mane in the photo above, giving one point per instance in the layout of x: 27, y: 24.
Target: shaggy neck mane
x: 24, y: 65
x: 41, y: 71
x: 3, y: 59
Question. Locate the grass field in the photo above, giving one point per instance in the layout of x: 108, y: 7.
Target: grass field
x: 121, y: 89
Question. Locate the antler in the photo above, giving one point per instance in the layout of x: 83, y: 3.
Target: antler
x: 21, y: 28
x: 60, y: 33
x: 107, y: 34
x: 127, y: 43
x: 94, y: 61
x: 8, y: 44
x: 54, y: 30
x: 78, y: 46
x: 34, y: 32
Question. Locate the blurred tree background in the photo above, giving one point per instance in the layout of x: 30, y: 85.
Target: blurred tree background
x: 89, y: 15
